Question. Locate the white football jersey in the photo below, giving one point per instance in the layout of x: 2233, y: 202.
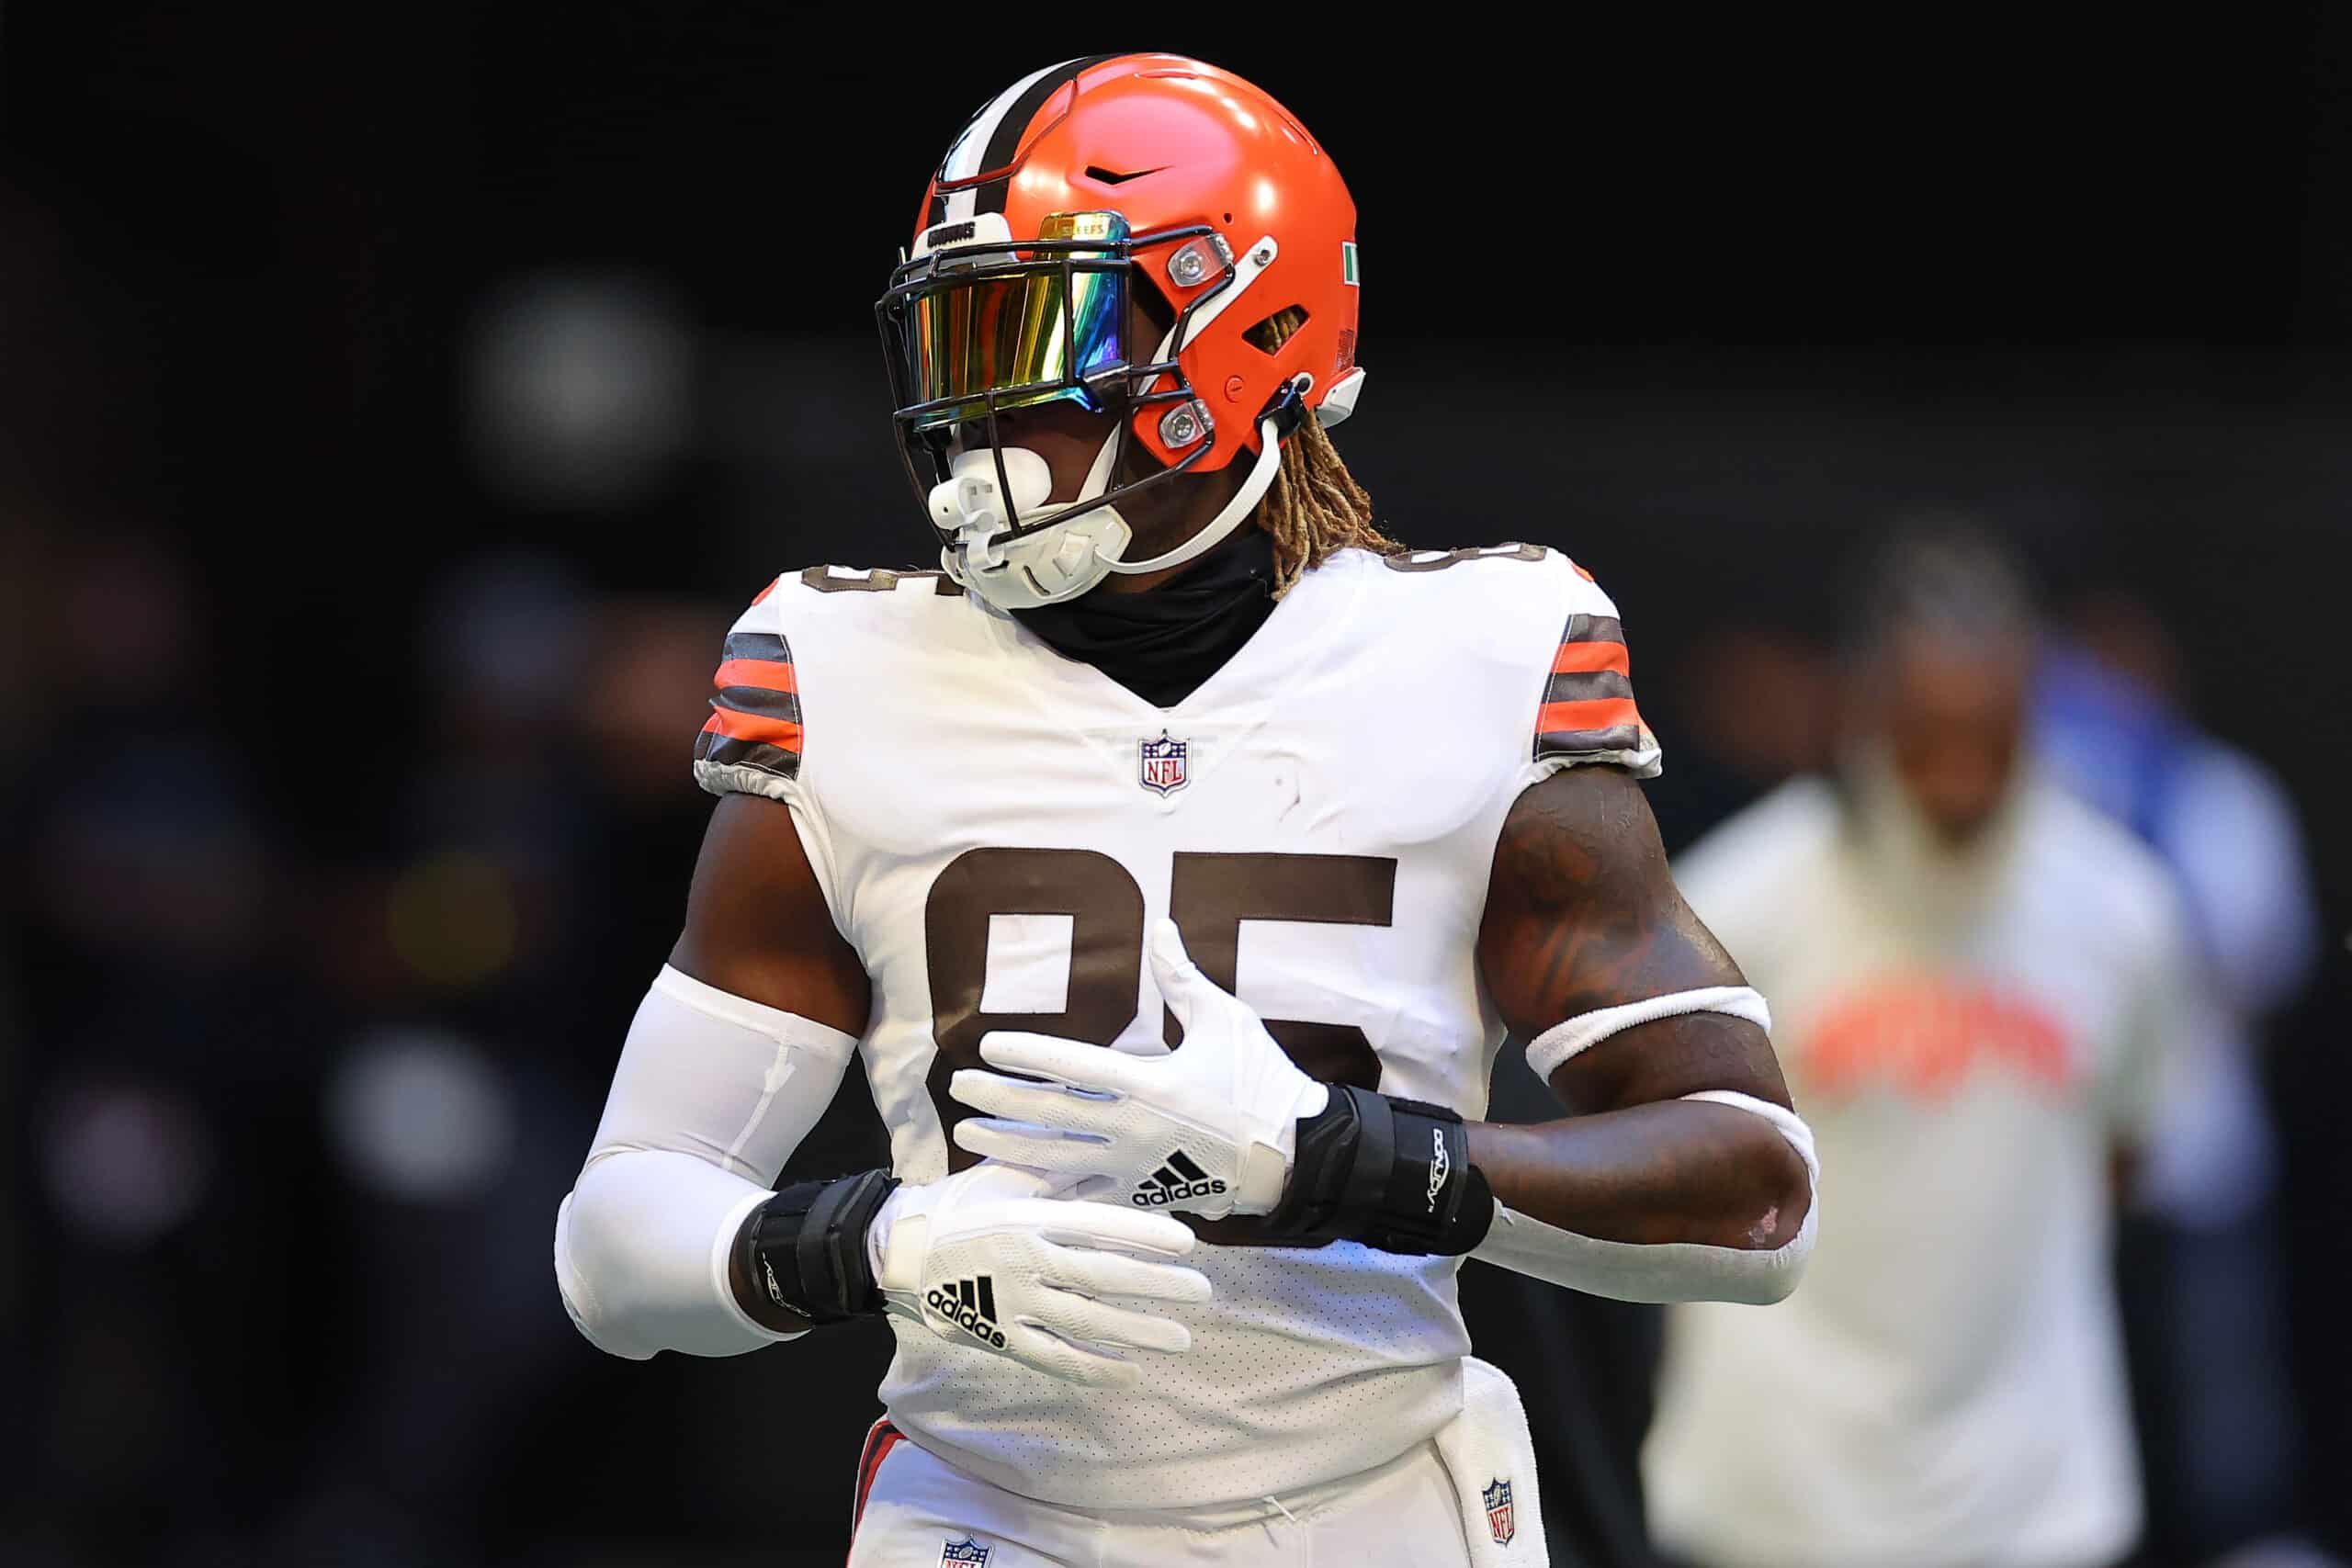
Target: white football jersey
x: 995, y: 827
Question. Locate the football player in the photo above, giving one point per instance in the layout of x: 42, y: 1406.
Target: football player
x: 1181, y: 847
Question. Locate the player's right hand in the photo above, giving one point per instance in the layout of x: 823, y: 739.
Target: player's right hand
x: 989, y: 1258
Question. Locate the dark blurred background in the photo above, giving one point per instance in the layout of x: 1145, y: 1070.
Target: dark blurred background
x: 397, y: 402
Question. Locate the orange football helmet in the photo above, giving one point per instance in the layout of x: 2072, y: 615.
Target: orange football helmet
x: 1090, y: 205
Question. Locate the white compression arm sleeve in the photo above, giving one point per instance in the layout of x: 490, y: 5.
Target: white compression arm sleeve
x: 1666, y: 1271
x: 712, y: 1095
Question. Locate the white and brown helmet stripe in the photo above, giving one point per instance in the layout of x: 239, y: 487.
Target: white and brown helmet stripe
x: 978, y: 169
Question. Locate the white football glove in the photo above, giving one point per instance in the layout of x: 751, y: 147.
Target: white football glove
x: 1209, y: 1128
x: 987, y: 1258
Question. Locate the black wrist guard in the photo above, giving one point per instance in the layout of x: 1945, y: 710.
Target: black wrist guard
x: 804, y: 1247
x: 1395, y: 1174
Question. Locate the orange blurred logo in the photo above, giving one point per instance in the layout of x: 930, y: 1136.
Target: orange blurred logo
x: 1921, y: 1036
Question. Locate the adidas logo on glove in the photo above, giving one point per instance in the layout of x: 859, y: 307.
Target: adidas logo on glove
x: 1178, y: 1178
x: 970, y: 1305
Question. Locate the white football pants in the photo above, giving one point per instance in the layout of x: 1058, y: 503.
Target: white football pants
x: 918, y: 1509
x: 1465, y: 1498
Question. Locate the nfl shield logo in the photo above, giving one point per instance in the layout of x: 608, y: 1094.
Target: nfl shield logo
x: 1500, y: 1523
x: 965, y: 1554
x: 1160, y: 764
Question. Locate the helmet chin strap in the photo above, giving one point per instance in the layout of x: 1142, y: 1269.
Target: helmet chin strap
x: 1245, y: 500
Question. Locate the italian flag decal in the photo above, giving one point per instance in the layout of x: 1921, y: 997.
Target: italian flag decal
x: 1348, y: 262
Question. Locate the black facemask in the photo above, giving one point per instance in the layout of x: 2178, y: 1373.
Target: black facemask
x: 1162, y: 643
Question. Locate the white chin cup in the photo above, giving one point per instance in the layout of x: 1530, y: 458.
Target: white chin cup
x: 1044, y: 568
x: 970, y: 501
x: 1065, y: 560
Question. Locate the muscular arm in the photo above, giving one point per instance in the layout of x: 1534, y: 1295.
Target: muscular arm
x: 757, y: 927
x: 729, y: 1060
x: 1581, y: 914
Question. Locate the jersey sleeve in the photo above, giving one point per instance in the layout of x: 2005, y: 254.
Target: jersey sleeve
x: 753, y: 741
x: 1587, y: 713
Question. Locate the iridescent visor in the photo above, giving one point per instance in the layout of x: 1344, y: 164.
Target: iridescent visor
x: 1028, y: 331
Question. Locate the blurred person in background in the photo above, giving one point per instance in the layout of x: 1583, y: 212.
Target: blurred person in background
x: 1978, y: 979
x: 2199, y: 1242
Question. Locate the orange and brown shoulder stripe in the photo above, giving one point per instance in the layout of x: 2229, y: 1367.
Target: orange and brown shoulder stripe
x: 1589, y: 701
x: 755, y: 717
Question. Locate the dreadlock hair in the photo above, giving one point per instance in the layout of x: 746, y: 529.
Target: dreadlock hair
x: 1315, y: 505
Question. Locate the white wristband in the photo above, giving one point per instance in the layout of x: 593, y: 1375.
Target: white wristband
x: 1562, y: 1041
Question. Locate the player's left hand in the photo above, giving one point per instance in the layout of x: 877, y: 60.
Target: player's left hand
x: 1209, y: 1129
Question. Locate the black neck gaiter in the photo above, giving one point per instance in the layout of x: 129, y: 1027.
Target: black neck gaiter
x: 1162, y: 643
